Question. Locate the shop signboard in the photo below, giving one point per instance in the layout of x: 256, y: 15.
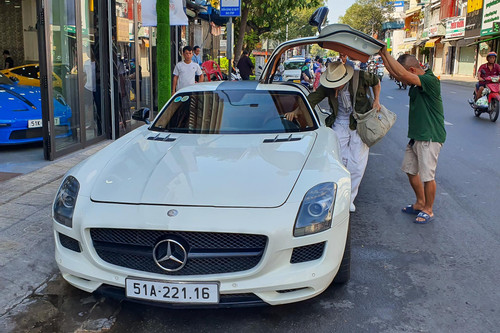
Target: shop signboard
x: 437, y: 30
x: 491, y: 13
x: 122, y: 29
x: 474, y: 18
x: 455, y: 27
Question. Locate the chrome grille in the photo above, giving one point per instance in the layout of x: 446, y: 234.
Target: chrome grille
x: 208, y: 253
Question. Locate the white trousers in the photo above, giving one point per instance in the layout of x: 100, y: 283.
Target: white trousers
x: 354, y: 153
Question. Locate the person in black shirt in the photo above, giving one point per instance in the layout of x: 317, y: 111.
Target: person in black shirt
x: 245, y: 66
x: 9, y: 63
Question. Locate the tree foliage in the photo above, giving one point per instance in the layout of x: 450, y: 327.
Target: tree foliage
x: 268, y: 17
x: 367, y: 15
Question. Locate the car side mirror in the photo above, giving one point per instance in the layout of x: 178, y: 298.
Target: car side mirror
x: 318, y: 18
x: 141, y: 115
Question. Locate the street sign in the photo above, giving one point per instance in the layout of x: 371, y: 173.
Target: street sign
x: 230, y: 8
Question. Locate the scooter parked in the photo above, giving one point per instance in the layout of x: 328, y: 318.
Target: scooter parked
x: 489, y: 102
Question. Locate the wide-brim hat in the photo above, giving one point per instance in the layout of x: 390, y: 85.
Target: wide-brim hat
x: 336, y: 75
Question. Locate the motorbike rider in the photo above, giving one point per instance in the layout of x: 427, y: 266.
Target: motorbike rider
x: 489, y: 69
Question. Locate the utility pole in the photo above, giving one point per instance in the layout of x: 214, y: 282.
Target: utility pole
x: 229, y: 46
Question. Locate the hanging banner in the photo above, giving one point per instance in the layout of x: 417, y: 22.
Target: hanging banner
x: 149, y: 13
x: 177, y: 14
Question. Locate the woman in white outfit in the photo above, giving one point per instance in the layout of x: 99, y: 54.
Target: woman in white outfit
x: 336, y: 83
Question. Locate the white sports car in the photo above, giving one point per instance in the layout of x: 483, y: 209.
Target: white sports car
x: 220, y: 201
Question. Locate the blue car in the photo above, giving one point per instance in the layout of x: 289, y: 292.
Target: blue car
x: 21, y: 113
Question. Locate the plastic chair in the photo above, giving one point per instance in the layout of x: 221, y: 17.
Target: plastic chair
x: 210, y: 68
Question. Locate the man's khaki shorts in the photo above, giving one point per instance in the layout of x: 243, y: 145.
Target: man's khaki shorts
x: 421, y: 158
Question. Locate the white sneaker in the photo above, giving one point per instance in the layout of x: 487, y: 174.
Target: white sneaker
x: 352, y: 208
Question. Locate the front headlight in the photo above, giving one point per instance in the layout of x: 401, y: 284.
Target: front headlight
x: 65, y: 201
x: 316, y: 211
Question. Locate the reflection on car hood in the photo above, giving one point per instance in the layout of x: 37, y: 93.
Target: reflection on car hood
x: 237, y: 170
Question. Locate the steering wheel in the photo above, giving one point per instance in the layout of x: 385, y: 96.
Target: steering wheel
x: 290, y: 125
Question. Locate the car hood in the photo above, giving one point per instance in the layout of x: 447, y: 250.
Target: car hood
x: 239, y: 170
x: 21, y: 98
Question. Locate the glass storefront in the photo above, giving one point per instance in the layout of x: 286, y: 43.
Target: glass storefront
x: 102, y: 58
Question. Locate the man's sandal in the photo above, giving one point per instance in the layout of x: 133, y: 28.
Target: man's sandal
x: 410, y: 210
x: 426, y: 218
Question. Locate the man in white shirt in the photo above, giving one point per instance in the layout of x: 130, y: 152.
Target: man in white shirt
x: 185, y: 71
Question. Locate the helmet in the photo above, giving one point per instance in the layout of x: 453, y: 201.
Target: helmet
x: 491, y: 54
x: 308, y: 61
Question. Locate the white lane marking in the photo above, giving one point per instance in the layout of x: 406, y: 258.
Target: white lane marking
x: 447, y: 123
x: 453, y: 92
x: 390, y: 97
x: 407, y: 105
x: 375, y: 154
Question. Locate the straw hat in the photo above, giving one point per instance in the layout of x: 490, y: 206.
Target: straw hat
x: 336, y: 75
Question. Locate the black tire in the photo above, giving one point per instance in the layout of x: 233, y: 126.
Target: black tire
x: 477, y: 113
x: 494, y: 110
x: 344, y: 273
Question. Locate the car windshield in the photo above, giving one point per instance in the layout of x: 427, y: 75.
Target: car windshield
x: 235, y: 112
x: 293, y: 64
x: 4, y: 79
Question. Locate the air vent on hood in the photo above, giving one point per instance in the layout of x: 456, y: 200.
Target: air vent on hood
x: 278, y: 139
x: 160, y: 137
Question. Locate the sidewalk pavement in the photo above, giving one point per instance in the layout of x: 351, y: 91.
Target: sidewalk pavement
x: 26, y: 238
x: 462, y: 80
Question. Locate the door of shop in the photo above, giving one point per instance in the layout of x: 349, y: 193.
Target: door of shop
x: 73, y: 43
x: 466, y: 60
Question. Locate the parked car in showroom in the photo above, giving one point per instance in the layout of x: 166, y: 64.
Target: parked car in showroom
x: 21, y: 113
x: 220, y: 201
x: 29, y: 75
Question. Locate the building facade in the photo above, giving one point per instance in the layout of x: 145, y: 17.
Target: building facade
x: 451, y: 36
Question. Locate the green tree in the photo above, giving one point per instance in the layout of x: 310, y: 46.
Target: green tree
x: 367, y: 15
x: 267, y: 17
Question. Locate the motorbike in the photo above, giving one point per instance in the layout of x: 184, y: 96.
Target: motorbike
x: 235, y: 75
x: 380, y: 72
x: 489, y: 102
x: 400, y: 84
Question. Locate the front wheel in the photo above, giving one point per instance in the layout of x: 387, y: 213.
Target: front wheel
x: 494, y: 110
x: 477, y: 113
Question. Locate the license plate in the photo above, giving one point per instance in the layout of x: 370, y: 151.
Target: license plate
x: 34, y: 123
x: 296, y: 81
x: 172, y: 292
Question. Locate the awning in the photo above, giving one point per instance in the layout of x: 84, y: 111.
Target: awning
x: 405, y: 46
x: 484, y: 40
x: 431, y: 42
x: 411, y: 11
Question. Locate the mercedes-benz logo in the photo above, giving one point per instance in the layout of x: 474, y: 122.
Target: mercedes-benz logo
x: 170, y: 255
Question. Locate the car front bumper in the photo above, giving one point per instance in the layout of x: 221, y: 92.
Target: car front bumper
x: 274, y: 280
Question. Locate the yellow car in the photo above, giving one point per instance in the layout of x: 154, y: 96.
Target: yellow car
x: 29, y: 75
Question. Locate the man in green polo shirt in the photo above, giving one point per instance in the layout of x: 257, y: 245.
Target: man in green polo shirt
x: 425, y: 130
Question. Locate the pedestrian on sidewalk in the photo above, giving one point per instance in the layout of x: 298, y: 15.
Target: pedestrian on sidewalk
x: 425, y: 130
x: 336, y: 85
x: 185, y: 71
x: 9, y: 63
x: 245, y: 66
